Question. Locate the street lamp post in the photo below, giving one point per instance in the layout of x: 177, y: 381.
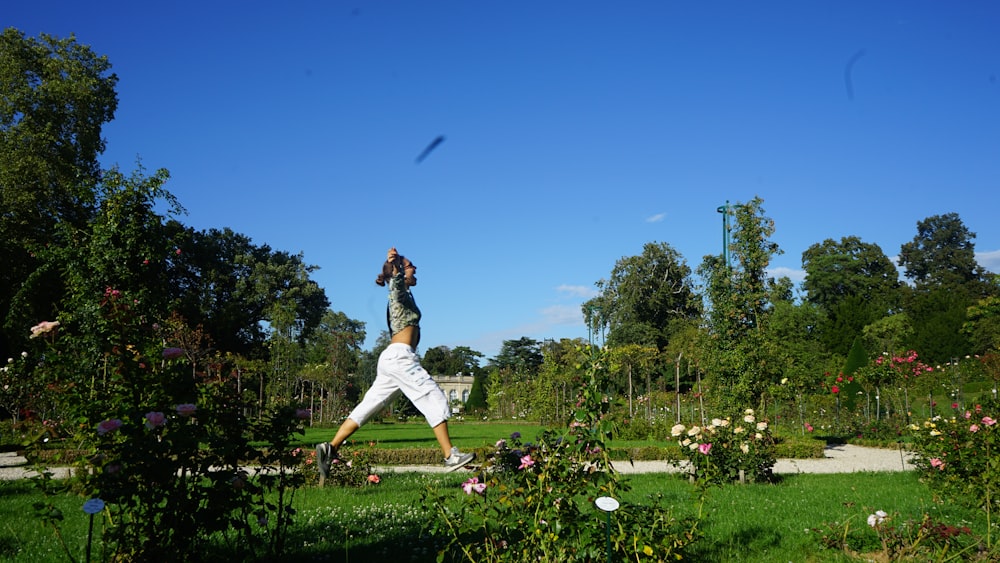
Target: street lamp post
x: 725, y: 210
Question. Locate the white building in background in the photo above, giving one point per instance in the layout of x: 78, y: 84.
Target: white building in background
x: 456, y: 388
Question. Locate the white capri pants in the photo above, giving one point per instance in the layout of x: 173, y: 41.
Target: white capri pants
x: 399, y: 371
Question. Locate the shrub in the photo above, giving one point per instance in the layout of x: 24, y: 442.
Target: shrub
x: 958, y: 454
x: 726, y: 451
x: 534, y: 501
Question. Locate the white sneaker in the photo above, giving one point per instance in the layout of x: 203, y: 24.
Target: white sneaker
x: 457, y: 460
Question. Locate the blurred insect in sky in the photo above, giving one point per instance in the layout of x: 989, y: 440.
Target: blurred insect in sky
x: 434, y: 144
x: 848, y: 83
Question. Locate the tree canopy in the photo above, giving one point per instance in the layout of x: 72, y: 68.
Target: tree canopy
x: 644, y: 298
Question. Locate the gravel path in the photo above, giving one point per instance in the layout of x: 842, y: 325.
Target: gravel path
x: 842, y: 458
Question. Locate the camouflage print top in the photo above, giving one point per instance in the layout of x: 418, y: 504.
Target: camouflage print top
x: 402, y: 311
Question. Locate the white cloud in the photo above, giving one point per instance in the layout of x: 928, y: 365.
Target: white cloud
x: 581, y: 291
x: 656, y: 218
x: 989, y: 260
x: 561, y: 315
x: 795, y: 275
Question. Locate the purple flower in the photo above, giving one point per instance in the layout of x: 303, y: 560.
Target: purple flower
x: 108, y: 426
x: 172, y: 353
x: 515, y: 436
x: 186, y: 409
x: 155, y: 420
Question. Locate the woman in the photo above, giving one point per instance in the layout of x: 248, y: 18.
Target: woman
x: 399, y: 371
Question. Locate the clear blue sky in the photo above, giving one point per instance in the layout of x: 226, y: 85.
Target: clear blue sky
x: 575, y: 132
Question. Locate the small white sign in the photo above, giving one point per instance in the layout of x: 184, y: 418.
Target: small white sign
x: 607, y: 504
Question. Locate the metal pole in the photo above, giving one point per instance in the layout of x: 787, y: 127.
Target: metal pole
x: 725, y: 231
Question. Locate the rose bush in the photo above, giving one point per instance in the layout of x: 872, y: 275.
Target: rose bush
x: 725, y: 451
x: 181, y: 471
x: 534, y: 501
x: 958, y: 454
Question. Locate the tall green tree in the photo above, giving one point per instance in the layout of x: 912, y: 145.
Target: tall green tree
x: 521, y: 356
x: 942, y: 254
x: 853, y: 283
x: 947, y: 280
x: 742, y: 360
x: 225, y: 282
x: 442, y: 360
x: 645, y: 298
x: 983, y: 325
x: 55, y: 97
x: 836, y: 270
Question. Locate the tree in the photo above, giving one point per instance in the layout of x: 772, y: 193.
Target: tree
x: 442, y: 360
x: 644, y: 298
x: 521, y: 356
x: 838, y: 270
x: 938, y: 315
x: 853, y: 283
x: 942, y: 254
x: 983, y: 325
x: 635, y: 363
x: 476, y: 402
x: 741, y: 358
x: 333, y: 357
x: 941, y: 261
x: 56, y: 96
x: 220, y: 279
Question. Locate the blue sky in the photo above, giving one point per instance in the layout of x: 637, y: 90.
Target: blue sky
x: 575, y: 132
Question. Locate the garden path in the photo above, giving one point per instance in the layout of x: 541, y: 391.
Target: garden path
x: 839, y: 458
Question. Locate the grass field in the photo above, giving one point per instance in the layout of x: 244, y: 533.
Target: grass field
x: 750, y: 523
x: 747, y: 523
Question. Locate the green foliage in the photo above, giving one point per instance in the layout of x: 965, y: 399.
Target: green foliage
x: 354, y: 467
x: 522, y: 356
x: 942, y: 254
x: 983, y: 324
x: 885, y: 540
x: 727, y: 450
x: 958, y: 454
x: 938, y: 314
x: 442, y: 360
x: 643, y: 298
x: 56, y: 96
x: 532, y: 501
x: 167, y: 440
x: 740, y: 356
x: 476, y: 403
x: 848, y: 268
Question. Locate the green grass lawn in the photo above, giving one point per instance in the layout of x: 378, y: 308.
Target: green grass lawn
x: 750, y: 523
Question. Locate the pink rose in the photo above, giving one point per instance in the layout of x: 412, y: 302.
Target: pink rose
x: 988, y: 421
x: 108, y: 426
x: 526, y: 462
x: 937, y: 463
x: 155, y: 420
x: 374, y: 479
x: 705, y: 448
x: 974, y: 428
x: 473, y: 486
